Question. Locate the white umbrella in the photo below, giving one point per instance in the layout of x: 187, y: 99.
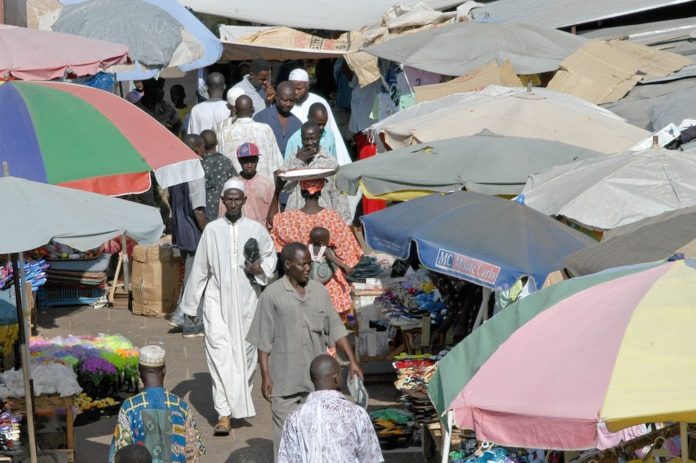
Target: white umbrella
x: 518, y: 112
x: 36, y: 213
x: 615, y: 190
x: 457, y: 49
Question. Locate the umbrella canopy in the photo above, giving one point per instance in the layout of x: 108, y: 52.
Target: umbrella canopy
x: 160, y: 34
x: 30, y: 54
x: 460, y: 48
x: 593, y: 350
x: 479, y: 238
x: 85, y: 138
x: 647, y: 240
x: 516, y: 112
x: 36, y: 213
x: 484, y: 163
x: 611, y: 191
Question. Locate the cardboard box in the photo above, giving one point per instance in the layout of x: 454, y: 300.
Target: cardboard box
x: 156, y: 279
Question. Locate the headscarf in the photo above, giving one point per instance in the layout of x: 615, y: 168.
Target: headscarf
x: 312, y: 186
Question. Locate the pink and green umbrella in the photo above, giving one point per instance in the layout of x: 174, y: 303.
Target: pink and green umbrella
x: 86, y: 138
x: 613, y: 350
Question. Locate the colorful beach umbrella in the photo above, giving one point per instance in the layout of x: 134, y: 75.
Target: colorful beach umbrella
x: 615, y: 348
x: 30, y: 54
x: 89, y: 139
x: 483, y: 239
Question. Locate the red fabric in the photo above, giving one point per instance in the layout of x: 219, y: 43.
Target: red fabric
x: 366, y: 150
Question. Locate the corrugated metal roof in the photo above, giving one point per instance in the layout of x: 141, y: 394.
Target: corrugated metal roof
x: 564, y: 13
x: 676, y: 36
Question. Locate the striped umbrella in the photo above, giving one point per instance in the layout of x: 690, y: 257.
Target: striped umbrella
x: 614, y: 349
x: 85, y: 138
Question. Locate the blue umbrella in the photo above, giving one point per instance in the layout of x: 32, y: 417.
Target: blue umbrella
x: 479, y: 238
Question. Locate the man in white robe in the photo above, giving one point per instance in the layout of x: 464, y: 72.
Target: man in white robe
x: 304, y: 99
x: 222, y: 276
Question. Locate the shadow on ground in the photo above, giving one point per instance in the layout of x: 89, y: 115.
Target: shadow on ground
x: 198, y: 393
x: 256, y: 451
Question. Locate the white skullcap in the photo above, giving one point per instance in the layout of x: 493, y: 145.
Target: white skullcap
x: 233, y: 94
x: 234, y: 183
x: 151, y: 356
x: 299, y: 75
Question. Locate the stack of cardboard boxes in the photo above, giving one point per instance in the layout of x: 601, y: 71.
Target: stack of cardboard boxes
x: 157, y: 279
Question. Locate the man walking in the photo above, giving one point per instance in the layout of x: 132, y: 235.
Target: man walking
x: 157, y: 419
x: 218, y: 169
x: 259, y: 190
x: 320, y: 116
x: 257, y: 84
x: 280, y: 117
x: 311, y: 156
x: 304, y: 99
x: 188, y: 221
x: 207, y: 114
x: 245, y: 130
x: 327, y: 427
x: 294, y: 322
x: 234, y: 260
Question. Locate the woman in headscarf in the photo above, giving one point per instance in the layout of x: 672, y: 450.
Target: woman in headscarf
x: 296, y: 225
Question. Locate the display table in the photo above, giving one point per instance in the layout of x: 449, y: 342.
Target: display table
x: 432, y: 442
x: 50, y: 404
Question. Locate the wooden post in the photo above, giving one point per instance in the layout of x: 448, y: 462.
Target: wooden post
x: 15, y: 12
x: 684, y: 440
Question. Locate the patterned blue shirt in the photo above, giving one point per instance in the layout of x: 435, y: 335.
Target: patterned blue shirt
x: 161, y: 422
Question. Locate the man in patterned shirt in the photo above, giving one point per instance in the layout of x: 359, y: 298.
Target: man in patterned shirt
x: 218, y: 169
x: 156, y: 419
x: 327, y: 427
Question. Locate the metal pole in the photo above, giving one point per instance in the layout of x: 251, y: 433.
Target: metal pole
x: 447, y: 436
x: 18, y: 276
x: 684, y: 440
x: 126, y: 268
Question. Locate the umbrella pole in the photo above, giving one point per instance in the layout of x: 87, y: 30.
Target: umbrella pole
x: 18, y: 276
x: 684, y: 440
x: 483, y: 310
x: 126, y: 269
x: 447, y: 436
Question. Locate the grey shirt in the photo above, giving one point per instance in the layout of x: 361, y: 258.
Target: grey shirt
x: 257, y: 96
x: 294, y: 330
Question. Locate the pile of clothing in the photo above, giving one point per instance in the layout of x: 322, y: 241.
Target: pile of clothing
x: 416, y: 297
x: 394, y: 427
x: 472, y: 451
x: 413, y: 375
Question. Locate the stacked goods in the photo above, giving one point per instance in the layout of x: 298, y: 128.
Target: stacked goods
x: 414, y: 373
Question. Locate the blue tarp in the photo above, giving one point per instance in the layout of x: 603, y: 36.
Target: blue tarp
x: 479, y: 238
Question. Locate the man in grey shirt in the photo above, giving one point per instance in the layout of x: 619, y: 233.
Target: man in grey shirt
x: 294, y: 323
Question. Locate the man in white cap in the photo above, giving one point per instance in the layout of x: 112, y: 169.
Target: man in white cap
x: 304, y: 99
x: 235, y: 259
x: 156, y: 419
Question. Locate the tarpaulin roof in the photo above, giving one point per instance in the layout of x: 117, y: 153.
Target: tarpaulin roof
x: 340, y: 15
x: 563, y: 13
x: 277, y: 43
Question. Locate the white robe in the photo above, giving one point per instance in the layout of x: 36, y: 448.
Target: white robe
x: 302, y: 111
x: 229, y: 305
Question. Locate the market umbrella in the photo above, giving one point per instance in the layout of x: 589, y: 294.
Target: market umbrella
x: 30, y: 54
x: 647, y: 240
x: 36, y: 213
x: 614, y: 349
x: 484, y: 163
x: 460, y: 48
x: 85, y: 138
x: 517, y: 112
x: 611, y: 191
x: 479, y: 238
x: 160, y: 34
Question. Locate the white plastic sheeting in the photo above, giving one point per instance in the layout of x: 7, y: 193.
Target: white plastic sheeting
x: 340, y: 15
